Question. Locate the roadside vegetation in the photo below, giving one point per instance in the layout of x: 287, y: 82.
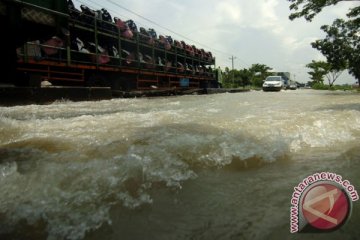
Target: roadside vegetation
x: 340, y: 46
x: 251, y: 78
x: 321, y: 86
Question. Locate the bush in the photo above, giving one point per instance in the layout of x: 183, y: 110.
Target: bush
x: 321, y: 86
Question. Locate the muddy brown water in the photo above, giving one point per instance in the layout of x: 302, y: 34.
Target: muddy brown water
x: 191, y: 167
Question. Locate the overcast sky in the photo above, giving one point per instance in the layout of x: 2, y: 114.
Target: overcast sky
x: 254, y: 31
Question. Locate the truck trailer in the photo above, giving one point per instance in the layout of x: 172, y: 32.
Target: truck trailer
x: 52, y: 41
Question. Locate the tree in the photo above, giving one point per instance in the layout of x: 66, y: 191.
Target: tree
x: 317, y: 74
x: 226, y: 78
x: 341, y: 47
x: 241, y: 78
x: 259, y: 72
x: 245, y: 76
x: 310, y: 8
x: 321, y: 69
x: 255, y: 76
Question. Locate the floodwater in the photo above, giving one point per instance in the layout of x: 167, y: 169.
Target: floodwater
x: 191, y: 167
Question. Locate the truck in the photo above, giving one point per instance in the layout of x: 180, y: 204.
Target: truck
x: 54, y: 42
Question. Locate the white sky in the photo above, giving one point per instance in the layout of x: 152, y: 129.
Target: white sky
x: 254, y: 31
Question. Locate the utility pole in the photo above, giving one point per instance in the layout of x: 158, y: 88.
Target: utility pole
x: 232, y: 62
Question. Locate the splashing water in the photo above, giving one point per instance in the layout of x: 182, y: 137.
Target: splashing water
x: 66, y: 167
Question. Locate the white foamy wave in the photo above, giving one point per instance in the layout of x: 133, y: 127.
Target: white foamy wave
x: 213, y: 110
x: 7, y: 169
x: 325, y: 130
x: 73, y: 189
x: 74, y: 192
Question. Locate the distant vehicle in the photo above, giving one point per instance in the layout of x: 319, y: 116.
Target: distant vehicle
x: 273, y: 83
x: 293, y: 86
x: 301, y: 85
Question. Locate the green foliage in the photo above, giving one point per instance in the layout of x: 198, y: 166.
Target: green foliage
x: 341, y: 46
x: 253, y: 76
x: 321, y: 69
x: 317, y: 74
x: 236, y: 78
x: 259, y: 73
x: 310, y: 8
x: 245, y: 76
x: 321, y: 86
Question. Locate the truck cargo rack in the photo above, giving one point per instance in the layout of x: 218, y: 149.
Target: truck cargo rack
x: 109, y: 59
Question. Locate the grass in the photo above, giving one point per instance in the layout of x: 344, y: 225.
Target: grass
x: 334, y: 87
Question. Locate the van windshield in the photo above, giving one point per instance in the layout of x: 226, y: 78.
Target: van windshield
x: 269, y: 79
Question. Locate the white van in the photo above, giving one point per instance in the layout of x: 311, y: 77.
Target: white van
x: 273, y: 83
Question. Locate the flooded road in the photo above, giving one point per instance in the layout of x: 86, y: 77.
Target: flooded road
x: 191, y: 167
